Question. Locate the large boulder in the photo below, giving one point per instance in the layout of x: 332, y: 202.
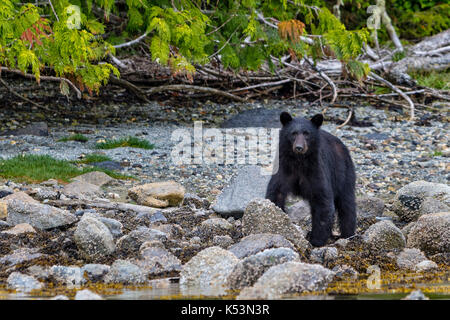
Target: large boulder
x: 245, y: 186
x: 123, y: 271
x: 23, y: 283
x: 208, y: 271
x: 263, y: 216
x: 157, y: 260
x: 431, y: 233
x: 93, y: 239
x: 97, y: 178
x: 409, y: 258
x: 384, y: 236
x: 367, y: 210
x: 419, y: 198
x: 158, y: 194
x: 82, y: 190
x: 288, y: 278
x: 40, y: 216
x: 254, y: 243
x: 249, y: 269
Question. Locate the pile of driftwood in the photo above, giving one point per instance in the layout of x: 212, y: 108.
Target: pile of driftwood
x: 323, y: 82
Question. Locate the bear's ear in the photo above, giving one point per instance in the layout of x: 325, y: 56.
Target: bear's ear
x: 285, y: 118
x: 317, y: 120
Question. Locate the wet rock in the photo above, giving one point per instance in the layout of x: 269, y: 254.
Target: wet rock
x: 123, y: 271
x: 416, y: 295
x: 425, y: 265
x: 384, y: 236
x: 114, y: 226
x: 95, y: 272
x: 157, y: 260
x: 222, y: 241
x: 324, y: 255
x: 46, y: 194
x: 35, y: 129
x: 20, y: 229
x: 263, y: 216
x: 132, y: 241
x: 40, y: 216
x: 3, y: 210
x: 255, y: 243
x: 172, y: 231
x: 5, y: 191
x: 192, y: 200
x: 23, y: 283
x: 367, y: 209
x: 70, y: 276
x: 208, y: 270
x: 93, y: 239
x: 87, y: 294
x: 288, y: 278
x: 60, y: 297
x: 22, y: 196
x: 147, y: 217
x: 300, y: 214
x: 410, y: 257
x: 39, y: 272
x: 345, y: 272
x: 158, y: 194
x: 259, y: 117
x: 97, y: 178
x: 82, y: 190
x: 249, y: 269
x: 20, y: 256
x: 108, y: 165
x: 245, y: 186
x: 409, y: 200
x: 431, y: 233
x: 212, y: 227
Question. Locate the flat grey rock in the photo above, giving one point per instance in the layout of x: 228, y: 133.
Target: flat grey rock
x: 247, y: 185
x: 260, y: 117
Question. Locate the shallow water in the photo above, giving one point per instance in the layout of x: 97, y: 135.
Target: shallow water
x: 173, y: 291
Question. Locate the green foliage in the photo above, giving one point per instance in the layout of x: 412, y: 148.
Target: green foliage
x: 415, y: 25
x: 180, y: 34
x: 132, y: 142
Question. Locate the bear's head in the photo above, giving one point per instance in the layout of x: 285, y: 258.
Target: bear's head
x: 301, y: 134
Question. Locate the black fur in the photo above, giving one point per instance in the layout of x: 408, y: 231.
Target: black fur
x: 317, y: 166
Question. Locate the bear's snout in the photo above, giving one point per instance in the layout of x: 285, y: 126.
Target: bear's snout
x: 300, y: 146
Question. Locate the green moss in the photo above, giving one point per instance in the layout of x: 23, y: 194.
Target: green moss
x: 133, y: 142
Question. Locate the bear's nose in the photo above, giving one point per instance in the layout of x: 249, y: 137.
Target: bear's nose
x: 298, y: 148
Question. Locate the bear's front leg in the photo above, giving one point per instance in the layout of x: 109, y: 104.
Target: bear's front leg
x: 276, y: 192
x: 322, y: 212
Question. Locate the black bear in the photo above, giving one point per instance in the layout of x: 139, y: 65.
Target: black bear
x: 316, y: 166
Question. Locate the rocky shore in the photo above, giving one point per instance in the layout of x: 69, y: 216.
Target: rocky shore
x: 207, y: 228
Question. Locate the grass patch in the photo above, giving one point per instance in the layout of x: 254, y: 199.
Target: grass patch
x: 437, y: 80
x: 75, y: 137
x: 132, y: 142
x: 38, y: 168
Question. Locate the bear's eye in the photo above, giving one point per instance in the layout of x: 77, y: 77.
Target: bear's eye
x: 305, y: 133
x: 295, y: 133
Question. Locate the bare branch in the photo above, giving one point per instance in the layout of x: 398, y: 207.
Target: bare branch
x: 180, y: 87
x: 49, y: 78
